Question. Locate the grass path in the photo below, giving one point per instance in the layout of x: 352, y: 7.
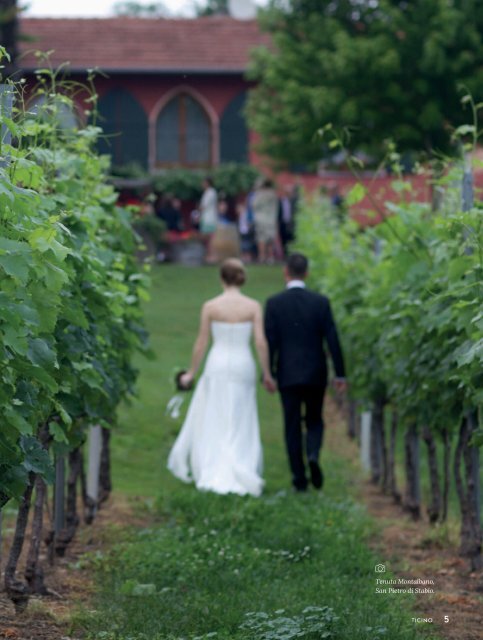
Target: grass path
x: 279, y: 567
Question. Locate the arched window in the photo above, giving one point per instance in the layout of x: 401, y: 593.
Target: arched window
x: 183, y: 133
x: 125, y: 128
x: 234, y: 132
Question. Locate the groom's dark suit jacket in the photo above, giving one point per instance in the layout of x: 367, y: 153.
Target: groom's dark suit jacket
x: 297, y: 324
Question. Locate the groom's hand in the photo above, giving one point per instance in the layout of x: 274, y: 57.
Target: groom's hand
x: 269, y: 383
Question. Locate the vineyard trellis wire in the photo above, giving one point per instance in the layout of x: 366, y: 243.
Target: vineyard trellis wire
x: 70, y: 320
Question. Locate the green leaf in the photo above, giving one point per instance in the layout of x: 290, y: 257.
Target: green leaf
x: 34, y: 373
x: 37, y: 459
x: 8, y: 451
x: 13, y: 339
x: 471, y: 352
x: 18, y: 421
x: 74, y: 313
x: 58, y: 433
x: 44, y: 240
x: 15, y: 259
x: 356, y: 194
x: 41, y: 354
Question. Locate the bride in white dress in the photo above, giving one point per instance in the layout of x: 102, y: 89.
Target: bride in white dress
x: 219, y: 445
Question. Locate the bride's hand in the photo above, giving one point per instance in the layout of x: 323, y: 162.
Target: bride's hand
x: 186, y: 379
x: 269, y: 383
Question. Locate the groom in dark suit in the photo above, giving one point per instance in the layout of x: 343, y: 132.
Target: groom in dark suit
x: 297, y: 324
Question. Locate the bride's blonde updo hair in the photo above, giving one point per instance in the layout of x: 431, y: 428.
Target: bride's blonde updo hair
x: 233, y: 273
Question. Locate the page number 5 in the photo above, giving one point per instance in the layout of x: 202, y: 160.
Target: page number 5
x: 446, y: 619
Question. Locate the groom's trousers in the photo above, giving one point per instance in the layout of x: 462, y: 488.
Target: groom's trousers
x: 294, y: 399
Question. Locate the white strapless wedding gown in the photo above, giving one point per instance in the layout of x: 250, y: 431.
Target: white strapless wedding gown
x: 219, y: 445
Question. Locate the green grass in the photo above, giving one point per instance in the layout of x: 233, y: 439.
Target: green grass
x: 277, y: 567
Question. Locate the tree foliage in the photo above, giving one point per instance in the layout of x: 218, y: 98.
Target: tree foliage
x: 133, y: 9
x: 211, y: 8
x: 386, y: 69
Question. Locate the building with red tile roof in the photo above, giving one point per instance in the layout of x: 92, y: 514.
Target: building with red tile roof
x: 173, y: 91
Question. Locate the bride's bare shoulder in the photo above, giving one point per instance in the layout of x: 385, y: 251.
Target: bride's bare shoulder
x: 212, y: 305
x: 254, y: 304
x: 213, y: 302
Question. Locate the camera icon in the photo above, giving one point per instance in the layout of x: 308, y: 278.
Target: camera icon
x: 380, y: 568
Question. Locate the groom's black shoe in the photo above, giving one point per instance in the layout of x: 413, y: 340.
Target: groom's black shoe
x: 300, y: 489
x: 316, y: 475
x: 300, y: 485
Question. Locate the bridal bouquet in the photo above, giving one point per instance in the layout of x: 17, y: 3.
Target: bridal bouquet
x: 173, y: 408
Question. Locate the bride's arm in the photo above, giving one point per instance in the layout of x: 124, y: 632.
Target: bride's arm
x: 261, y: 345
x: 200, y: 345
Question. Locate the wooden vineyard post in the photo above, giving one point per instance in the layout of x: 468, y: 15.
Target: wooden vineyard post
x: 366, y: 420
x: 352, y: 419
x: 378, y: 445
x: 434, y: 508
x: 105, y: 484
x: 17, y: 590
x: 71, y: 519
x: 391, y: 458
x: 412, y: 497
x: 55, y: 535
x: 473, y: 465
x: 94, y: 463
x: 59, y: 495
x: 467, y: 481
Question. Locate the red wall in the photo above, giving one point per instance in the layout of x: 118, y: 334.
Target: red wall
x: 149, y: 89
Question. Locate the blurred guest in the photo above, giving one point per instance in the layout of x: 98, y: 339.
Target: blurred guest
x: 208, y: 207
x: 246, y: 228
x: 169, y: 210
x: 295, y: 198
x: 265, y: 211
x: 285, y: 219
x: 226, y: 241
x: 208, y: 215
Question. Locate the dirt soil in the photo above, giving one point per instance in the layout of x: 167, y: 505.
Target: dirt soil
x: 410, y: 550
x: 70, y: 580
x: 413, y: 550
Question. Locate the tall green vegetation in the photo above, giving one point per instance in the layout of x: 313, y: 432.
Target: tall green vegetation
x: 408, y: 296
x: 70, y: 291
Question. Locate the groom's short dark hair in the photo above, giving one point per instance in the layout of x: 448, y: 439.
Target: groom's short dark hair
x: 297, y: 265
